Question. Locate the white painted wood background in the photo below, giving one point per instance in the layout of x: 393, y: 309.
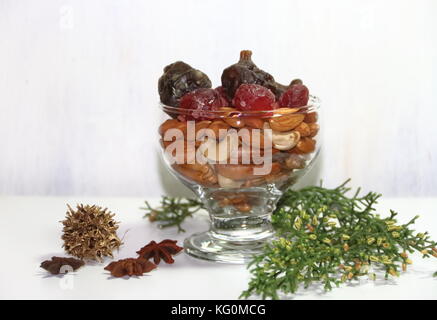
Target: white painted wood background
x: 78, y: 93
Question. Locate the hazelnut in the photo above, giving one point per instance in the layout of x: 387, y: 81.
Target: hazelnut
x: 314, y: 129
x: 311, y: 117
x: 306, y: 145
x: 303, y: 129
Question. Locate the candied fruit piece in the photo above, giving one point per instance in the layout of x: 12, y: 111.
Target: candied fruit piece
x: 200, y: 102
x: 253, y: 97
x: 296, y: 96
x: 245, y: 71
x: 224, y: 99
x: 178, y: 79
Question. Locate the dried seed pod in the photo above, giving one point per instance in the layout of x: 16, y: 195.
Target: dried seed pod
x: 130, y: 267
x: 304, y: 129
x: 311, y: 117
x: 58, y: 265
x: 90, y: 232
x: 314, y: 129
x: 178, y: 79
x: 286, y: 122
x: 285, y: 140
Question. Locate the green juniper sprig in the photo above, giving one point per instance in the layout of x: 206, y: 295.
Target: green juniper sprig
x: 172, y: 211
x: 323, y: 236
x: 326, y: 237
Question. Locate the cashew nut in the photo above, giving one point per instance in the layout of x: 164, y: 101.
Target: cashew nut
x: 285, y: 140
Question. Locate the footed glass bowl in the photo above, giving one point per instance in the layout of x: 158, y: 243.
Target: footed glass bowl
x: 238, y: 164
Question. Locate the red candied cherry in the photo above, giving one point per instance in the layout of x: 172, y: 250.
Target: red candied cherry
x: 224, y: 99
x: 296, y: 96
x: 199, y: 102
x: 253, y: 97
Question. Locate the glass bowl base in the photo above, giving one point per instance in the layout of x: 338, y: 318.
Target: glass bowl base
x: 206, y: 246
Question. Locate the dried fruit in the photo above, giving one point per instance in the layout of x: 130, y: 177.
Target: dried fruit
x: 178, y: 79
x: 58, y: 265
x: 296, y: 81
x: 224, y: 98
x: 130, y: 267
x: 200, y: 103
x: 163, y: 250
x: 253, y: 97
x: 286, y: 122
x: 90, y: 232
x: 245, y: 71
x: 296, y: 96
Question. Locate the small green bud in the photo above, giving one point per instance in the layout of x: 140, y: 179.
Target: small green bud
x: 345, y: 237
x: 370, y: 241
x: 327, y: 241
x: 313, y: 237
x: 374, y: 258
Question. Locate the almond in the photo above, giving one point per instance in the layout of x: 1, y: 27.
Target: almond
x: 286, y: 122
x: 172, y: 124
x: 254, y: 122
x: 219, y: 128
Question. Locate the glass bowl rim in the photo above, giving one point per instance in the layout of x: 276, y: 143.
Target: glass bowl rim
x: 312, y: 106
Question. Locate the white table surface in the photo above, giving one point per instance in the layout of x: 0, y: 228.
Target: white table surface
x: 30, y: 233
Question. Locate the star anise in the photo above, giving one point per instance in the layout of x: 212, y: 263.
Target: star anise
x: 130, y: 267
x: 56, y: 264
x: 163, y: 250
